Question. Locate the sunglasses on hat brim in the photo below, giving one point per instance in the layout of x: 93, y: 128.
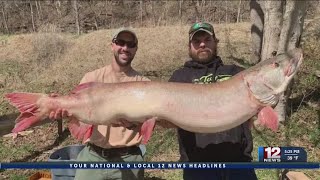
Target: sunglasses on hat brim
x: 122, y: 43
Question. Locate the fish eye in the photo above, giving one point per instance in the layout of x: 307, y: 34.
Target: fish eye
x: 275, y: 64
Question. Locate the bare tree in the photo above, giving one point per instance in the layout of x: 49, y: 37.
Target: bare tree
x: 57, y: 5
x: 239, y: 11
x: 196, y: 9
x: 166, y: 12
x: 38, y: 7
x: 141, y: 12
x: 154, y: 21
x: 110, y: 13
x: 272, y: 28
x: 257, y: 21
x: 281, y: 32
x: 202, y: 7
x: 226, y: 6
x: 4, y: 16
x: 76, y: 14
x: 290, y: 38
x: 180, y: 10
x: 292, y: 29
x: 91, y: 5
x: 32, y: 17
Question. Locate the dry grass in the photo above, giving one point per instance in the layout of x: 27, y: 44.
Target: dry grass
x: 55, y: 57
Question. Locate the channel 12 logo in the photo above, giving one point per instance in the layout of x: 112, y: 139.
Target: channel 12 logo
x: 282, y: 154
x: 270, y: 154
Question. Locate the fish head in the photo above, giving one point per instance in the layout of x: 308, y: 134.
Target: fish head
x: 271, y: 77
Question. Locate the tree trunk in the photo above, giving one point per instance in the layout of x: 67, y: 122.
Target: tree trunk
x: 226, y: 5
x: 112, y: 16
x: 153, y: 14
x: 4, y: 17
x: 196, y: 9
x: 239, y: 12
x: 96, y: 21
x: 32, y: 18
x: 166, y: 12
x: 203, y: 3
x: 58, y: 4
x: 180, y: 10
x: 213, y: 15
x: 95, y: 15
x: 141, y: 12
x: 293, y: 21
x: 290, y: 38
x: 76, y: 14
x: 272, y: 28
x: 38, y: 10
x: 257, y: 21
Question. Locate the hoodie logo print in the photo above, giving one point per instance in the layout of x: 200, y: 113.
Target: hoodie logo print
x: 209, y: 79
x: 204, y: 79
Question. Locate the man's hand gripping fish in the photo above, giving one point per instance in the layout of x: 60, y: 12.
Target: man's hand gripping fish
x: 198, y: 108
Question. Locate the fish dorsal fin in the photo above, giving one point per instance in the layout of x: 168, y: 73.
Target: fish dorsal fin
x: 268, y: 117
x: 83, y: 86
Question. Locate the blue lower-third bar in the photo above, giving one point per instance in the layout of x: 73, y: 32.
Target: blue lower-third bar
x: 158, y: 165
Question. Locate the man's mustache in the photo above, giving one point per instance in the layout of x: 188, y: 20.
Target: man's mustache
x: 204, y: 50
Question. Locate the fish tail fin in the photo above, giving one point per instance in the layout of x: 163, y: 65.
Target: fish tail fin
x: 27, y: 105
x: 268, y: 117
x: 79, y: 130
x: 23, y: 101
x: 147, y: 129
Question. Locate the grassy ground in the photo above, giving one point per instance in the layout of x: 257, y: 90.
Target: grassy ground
x: 56, y: 62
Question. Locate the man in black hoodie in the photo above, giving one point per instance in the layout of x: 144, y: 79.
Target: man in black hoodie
x: 234, y: 145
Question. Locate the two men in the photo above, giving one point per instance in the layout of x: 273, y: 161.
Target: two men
x: 119, y: 143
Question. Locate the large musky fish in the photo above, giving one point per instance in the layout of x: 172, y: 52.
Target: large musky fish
x: 206, y: 108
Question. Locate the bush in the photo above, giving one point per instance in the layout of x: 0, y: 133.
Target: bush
x: 48, y: 47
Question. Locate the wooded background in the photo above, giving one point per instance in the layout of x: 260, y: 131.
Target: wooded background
x: 81, y: 16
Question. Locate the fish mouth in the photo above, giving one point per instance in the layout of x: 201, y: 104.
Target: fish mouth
x: 291, y: 70
x: 295, y: 64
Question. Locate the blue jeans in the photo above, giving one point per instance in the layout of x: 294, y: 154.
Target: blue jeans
x: 226, y: 174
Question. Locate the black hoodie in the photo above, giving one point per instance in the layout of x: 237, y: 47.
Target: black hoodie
x: 234, y: 145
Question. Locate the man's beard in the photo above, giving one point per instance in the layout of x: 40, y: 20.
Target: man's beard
x: 196, y: 57
x: 120, y: 63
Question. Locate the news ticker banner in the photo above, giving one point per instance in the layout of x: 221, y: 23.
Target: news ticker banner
x: 282, y: 154
x: 158, y: 165
x: 268, y: 157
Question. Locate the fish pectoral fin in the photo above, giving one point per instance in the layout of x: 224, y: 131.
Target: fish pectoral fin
x: 268, y: 117
x: 79, y: 130
x: 25, y: 120
x: 147, y: 129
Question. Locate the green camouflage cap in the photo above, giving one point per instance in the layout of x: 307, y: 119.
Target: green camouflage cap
x: 201, y: 26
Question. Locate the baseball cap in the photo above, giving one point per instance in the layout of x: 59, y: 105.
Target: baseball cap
x: 201, y: 26
x: 121, y: 30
